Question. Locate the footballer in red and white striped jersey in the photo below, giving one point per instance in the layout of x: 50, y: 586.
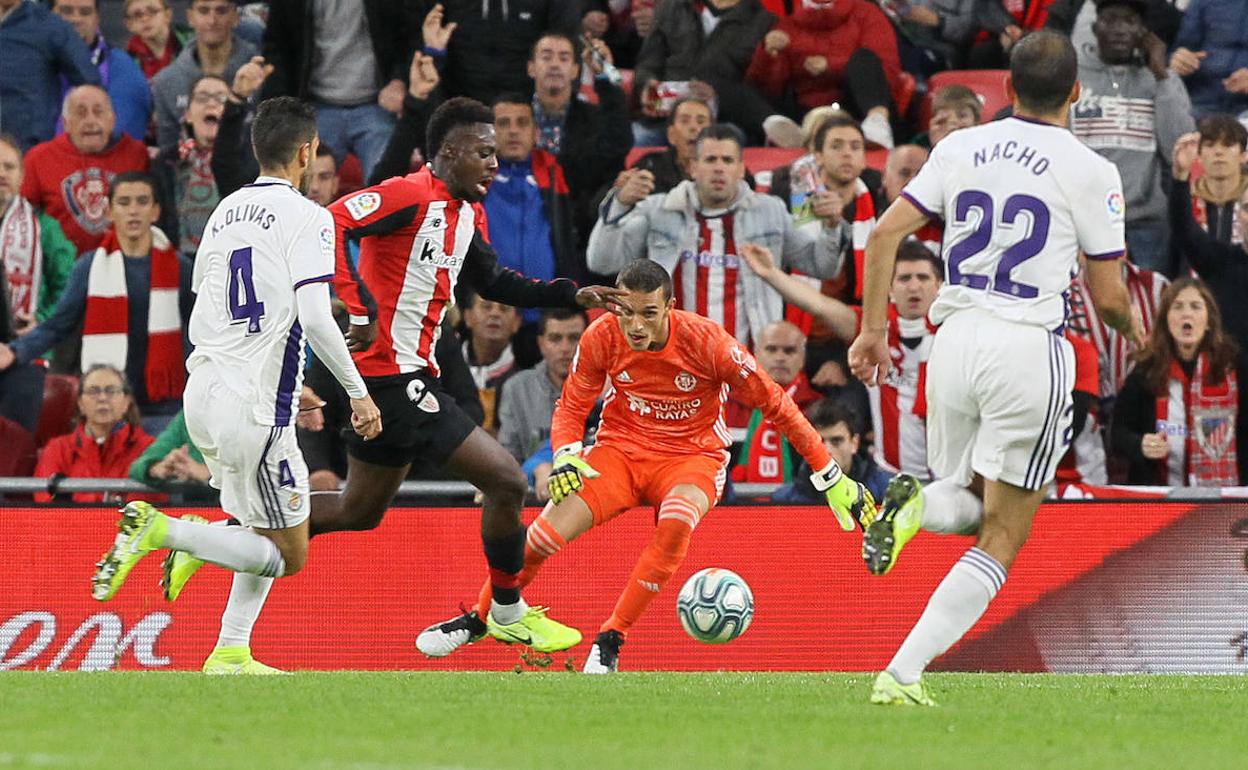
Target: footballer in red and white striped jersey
x: 709, y: 282
x: 416, y: 239
x: 1113, y: 351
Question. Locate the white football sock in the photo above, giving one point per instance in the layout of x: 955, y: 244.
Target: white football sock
x: 506, y: 614
x: 235, y: 548
x: 956, y: 605
x: 951, y: 509
x: 247, y: 596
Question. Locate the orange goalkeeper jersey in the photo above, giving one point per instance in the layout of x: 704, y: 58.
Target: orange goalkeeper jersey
x: 672, y: 400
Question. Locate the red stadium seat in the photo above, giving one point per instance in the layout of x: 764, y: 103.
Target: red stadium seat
x: 17, y: 449
x: 988, y: 85
x: 60, y: 407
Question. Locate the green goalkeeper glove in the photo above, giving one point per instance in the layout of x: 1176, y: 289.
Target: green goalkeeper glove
x: 568, y: 473
x: 850, y: 501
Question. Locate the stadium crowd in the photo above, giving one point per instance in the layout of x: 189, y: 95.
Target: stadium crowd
x: 671, y: 130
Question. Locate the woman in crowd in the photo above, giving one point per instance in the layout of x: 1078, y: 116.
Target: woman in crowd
x: 106, y: 441
x: 1176, y: 419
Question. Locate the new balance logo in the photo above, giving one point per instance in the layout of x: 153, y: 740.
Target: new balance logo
x: 652, y: 587
x: 624, y: 377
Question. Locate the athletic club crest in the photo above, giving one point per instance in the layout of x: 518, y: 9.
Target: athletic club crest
x: 1214, y: 431
x: 86, y: 196
x: 686, y: 382
x: 294, y: 501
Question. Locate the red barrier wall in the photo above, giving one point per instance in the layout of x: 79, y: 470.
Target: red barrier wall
x: 364, y: 596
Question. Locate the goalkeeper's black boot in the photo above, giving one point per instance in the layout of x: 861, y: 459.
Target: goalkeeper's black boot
x: 604, y: 656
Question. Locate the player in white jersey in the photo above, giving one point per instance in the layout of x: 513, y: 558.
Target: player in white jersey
x: 261, y: 279
x: 1020, y: 197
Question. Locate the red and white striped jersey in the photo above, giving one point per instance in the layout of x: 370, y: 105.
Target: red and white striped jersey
x: 415, y: 241
x: 898, y: 404
x: 1113, y: 352
x: 1084, y: 461
x: 709, y: 282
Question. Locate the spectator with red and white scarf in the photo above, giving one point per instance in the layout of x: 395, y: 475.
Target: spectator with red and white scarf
x: 69, y: 176
x: 1216, y: 194
x: 132, y: 299
x: 1223, y: 265
x: 36, y: 258
x: 185, y: 172
x: 835, y: 174
x: 898, y: 405
x: 36, y: 255
x: 763, y: 454
x: 1177, y: 416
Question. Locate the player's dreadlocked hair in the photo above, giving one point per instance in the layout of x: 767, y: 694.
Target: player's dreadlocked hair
x: 456, y: 112
x: 645, y: 275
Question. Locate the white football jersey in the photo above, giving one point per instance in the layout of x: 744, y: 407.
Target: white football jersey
x: 260, y: 244
x: 1019, y: 199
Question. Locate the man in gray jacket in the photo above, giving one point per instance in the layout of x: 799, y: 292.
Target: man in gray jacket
x: 696, y: 229
x: 216, y: 50
x: 527, y: 400
x: 1132, y: 110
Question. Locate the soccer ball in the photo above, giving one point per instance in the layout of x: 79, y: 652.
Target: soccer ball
x: 715, y: 606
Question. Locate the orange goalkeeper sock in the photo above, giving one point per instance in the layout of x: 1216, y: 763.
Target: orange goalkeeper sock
x: 658, y: 562
x: 543, y: 541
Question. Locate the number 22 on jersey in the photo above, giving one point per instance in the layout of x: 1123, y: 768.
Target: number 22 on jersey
x: 1018, y: 211
x: 241, y: 292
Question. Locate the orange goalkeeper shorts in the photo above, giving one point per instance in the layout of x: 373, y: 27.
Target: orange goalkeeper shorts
x: 629, y: 479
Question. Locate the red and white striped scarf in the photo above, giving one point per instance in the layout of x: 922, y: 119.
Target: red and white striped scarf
x: 106, y: 323
x: 1145, y: 288
x: 1200, y: 211
x: 22, y: 255
x: 709, y: 282
x: 1199, y: 419
x: 861, y: 226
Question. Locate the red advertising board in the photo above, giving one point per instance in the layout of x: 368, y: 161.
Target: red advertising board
x: 1100, y: 587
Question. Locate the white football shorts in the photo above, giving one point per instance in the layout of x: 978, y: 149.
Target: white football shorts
x: 258, y: 468
x: 998, y: 400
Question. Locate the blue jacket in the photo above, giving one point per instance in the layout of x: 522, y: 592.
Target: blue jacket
x: 519, y: 227
x: 36, y: 48
x: 1220, y: 29
x: 127, y: 89
x: 800, y: 491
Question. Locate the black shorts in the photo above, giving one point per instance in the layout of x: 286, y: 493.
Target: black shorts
x: 419, y: 422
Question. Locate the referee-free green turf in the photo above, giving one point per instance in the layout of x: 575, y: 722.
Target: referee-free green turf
x: 633, y: 721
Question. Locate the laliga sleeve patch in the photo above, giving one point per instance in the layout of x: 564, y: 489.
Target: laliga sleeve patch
x: 1115, y: 205
x: 360, y: 206
x: 327, y: 241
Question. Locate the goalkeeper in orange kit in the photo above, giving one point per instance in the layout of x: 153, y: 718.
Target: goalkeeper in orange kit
x: 662, y: 442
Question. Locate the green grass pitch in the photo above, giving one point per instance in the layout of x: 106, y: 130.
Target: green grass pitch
x: 632, y: 721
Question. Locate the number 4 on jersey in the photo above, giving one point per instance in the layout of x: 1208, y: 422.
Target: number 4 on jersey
x: 241, y: 291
